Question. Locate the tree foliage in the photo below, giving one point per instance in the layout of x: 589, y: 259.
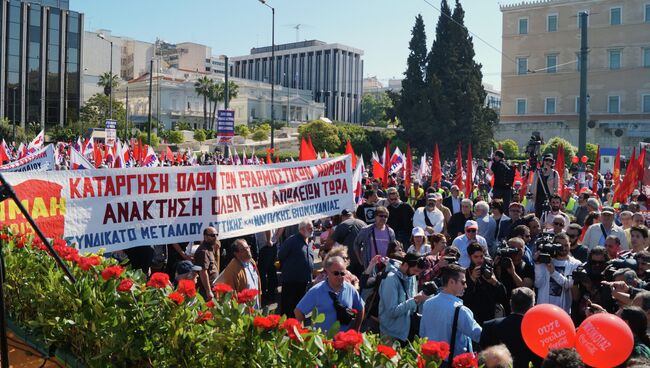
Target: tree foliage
x: 95, y: 111
x: 325, y: 136
x: 199, y: 135
x: 592, y: 151
x: 375, y: 107
x: 242, y: 130
x: 510, y: 148
x: 6, y: 132
x: 552, y: 144
x: 145, y: 139
x: 175, y: 137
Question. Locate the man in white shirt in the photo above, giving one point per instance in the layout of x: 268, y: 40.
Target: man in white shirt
x: 463, y: 241
x: 553, y: 280
x: 429, y: 217
x: 597, y: 233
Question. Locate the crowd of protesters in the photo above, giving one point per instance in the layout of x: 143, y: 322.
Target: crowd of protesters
x: 431, y: 261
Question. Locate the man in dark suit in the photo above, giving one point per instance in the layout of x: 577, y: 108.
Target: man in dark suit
x: 453, y: 201
x: 507, y: 330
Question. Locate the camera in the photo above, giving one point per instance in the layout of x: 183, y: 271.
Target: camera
x: 487, y: 269
x: 547, y: 249
x: 580, y: 274
x: 450, y: 259
x: 504, y: 252
x: 533, y: 148
x: 429, y: 288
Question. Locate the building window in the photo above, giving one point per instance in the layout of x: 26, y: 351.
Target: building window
x: 615, y: 15
x: 549, y: 106
x: 614, y: 59
x: 646, y: 57
x: 647, y: 13
x: 645, y: 103
x: 522, y: 66
x: 551, y: 23
x: 551, y: 63
x: 614, y: 104
x: 523, y: 25
x: 521, y: 106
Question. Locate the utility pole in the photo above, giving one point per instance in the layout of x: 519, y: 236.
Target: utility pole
x: 150, y: 92
x: 126, y: 124
x: 226, y: 92
x: 584, y: 51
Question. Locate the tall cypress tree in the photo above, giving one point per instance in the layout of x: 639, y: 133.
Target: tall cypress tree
x: 414, y: 112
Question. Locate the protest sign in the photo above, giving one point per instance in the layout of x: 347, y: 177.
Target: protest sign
x: 267, y: 197
x: 40, y: 160
x: 113, y: 209
x: 225, y: 126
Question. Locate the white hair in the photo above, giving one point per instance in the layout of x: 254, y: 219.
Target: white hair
x: 483, y: 206
x: 467, y: 201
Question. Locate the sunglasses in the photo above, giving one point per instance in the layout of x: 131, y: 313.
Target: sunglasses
x: 558, y: 223
x: 338, y: 273
x: 470, y: 230
x: 212, y: 235
x: 382, y: 216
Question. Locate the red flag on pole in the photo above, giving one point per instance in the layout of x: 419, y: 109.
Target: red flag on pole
x: 641, y: 166
x: 409, y: 167
x: 97, y: 156
x: 436, y: 171
x: 559, y: 167
x: 469, y: 180
x: 277, y: 159
x: 303, y: 149
x: 629, y: 181
x: 594, y: 181
x: 312, y: 150
x: 168, y: 154
x: 387, y: 165
x: 350, y: 151
x: 459, y: 169
x: 3, y: 153
x: 616, y: 175
x: 377, y: 169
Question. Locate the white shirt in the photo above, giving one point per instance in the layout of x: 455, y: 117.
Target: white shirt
x: 594, y: 236
x: 436, y: 218
x: 462, y: 242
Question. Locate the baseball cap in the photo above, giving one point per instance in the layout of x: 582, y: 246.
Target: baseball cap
x: 184, y: 267
x: 471, y: 224
x: 636, y: 192
x: 437, y: 195
x: 514, y: 204
x: 607, y: 210
x: 417, y: 231
x: 346, y: 212
x: 431, y: 196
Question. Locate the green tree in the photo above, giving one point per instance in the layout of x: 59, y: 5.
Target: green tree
x: 510, y: 148
x: 106, y: 80
x: 183, y: 125
x: 203, y: 86
x: 154, y: 139
x: 94, y: 111
x: 260, y: 135
x: 175, y: 137
x: 217, y: 94
x: 592, y: 151
x: 552, y: 144
x: 325, y: 136
x: 6, y: 132
x: 374, y: 107
x: 199, y: 135
x: 242, y: 130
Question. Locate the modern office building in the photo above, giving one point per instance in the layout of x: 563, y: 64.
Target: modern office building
x: 540, y: 83
x: 40, y: 61
x: 333, y: 72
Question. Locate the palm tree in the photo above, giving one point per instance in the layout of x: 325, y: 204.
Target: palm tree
x: 218, y: 95
x: 106, y: 79
x: 202, y: 87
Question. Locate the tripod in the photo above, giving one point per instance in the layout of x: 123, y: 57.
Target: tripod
x: 7, y: 192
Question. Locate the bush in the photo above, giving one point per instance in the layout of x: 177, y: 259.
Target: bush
x: 200, y: 135
x: 242, y: 130
x: 110, y: 317
x: 6, y: 132
x: 145, y: 139
x: 325, y: 136
x: 551, y: 147
x: 175, y: 137
x: 510, y: 148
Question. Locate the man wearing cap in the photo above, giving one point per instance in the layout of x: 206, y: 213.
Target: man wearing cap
x: 546, y: 182
x: 344, y: 234
x: 597, y: 233
x: 453, y: 202
x: 186, y: 270
x: 463, y: 241
x: 429, y: 217
x: 241, y: 273
x: 503, y: 177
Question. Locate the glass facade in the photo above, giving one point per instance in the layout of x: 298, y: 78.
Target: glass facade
x: 13, y: 90
x: 53, y: 81
x: 34, y: 35
x: 73, y: 74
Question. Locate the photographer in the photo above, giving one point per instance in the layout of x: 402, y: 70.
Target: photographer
x: 504, y: 175
x: 553, y: 269
x: 398, y: 299
x: 546, y: 182
x: 586, y: 285
x: 548, y: 218
x: 510, y: 268
x: 484, y: 291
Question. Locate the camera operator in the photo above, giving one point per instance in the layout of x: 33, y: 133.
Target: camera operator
x: 546, y: 182
x: 484, y: 291
x: 586, y: 285
x: 510, y: 268
x: 504, y: 175
x: 548, y: 218
x: 553, y: 268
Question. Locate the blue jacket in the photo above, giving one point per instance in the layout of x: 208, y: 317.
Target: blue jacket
x: 296, y: 259
x: 364, y: 244
x: 396, y: 304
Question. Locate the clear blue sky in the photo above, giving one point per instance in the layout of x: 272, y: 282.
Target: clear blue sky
x: 379, y: 27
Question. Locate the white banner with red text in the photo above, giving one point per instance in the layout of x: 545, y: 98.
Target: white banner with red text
x: 113, y: 209
x: 41, y: 160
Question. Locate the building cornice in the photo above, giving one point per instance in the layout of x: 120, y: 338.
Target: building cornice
x: 542, y: 4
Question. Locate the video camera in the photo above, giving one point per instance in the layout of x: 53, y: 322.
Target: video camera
x: 504, y: 252
x: 487, y: 269
x: 547, y: 249
x: 533, y: 149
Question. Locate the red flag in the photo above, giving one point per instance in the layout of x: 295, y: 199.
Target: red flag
x: 436, y: 171
x: 469, y: 180
x: 350, y: 151
x: 377, y: 169
x: 641, y: 165
x: 559, y: 167
x: 386, y: 165
x: 518, y: 176
x: 616, y: 175
x: 83, y: 148
x: 97, y: 156
x: 629, y: 181
x: 307, y: 151
x: 136, y: 150
x: 268, y: 158
x: 310, y: 145
x: 594, y: 182
x: 524, y: 186
x: 409, y: 167
x: 168, y: 154
x: 303, y: 148
x: 277, y: 159
x: 3, y: 153
x: 459, y: 169
x: 143, y: 151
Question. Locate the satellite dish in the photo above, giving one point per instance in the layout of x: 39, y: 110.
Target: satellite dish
x: 618, y: 132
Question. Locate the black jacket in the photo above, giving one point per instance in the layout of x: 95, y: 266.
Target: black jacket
x: 503, y: 175
x: 507, y: 331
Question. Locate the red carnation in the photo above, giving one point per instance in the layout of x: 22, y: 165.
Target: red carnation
x: 204, y: 316
x: 467, y: 360
x: 387, y: 351
x: 210, y: 304
x: 112, y: 272
x: 176, y: 297
x: 247, y: 295
x: 159, y: 280
x: 350, y: 339
x: 294, y: 328
x: 125, y: 285
x: 187, y: 288
x: 86, y: 263
x: 222, y: 288
x: 421, y: 362
x: 266, y: 323
x: 438, y: 350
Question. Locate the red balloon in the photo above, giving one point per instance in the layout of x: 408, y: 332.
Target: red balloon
x: 574, y: 159
x: 546, y: 327
x: 604, y: 340
x: 585, y: 159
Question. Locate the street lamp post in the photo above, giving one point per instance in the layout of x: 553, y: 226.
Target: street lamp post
x: 13, y: 108
x: 272, y: 71
x: 110, y: 85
